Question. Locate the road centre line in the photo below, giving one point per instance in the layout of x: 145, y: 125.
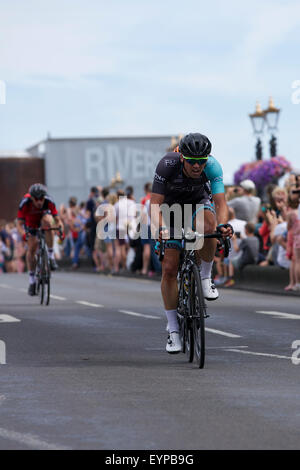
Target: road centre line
x: 8, y: 319
x: 29, y: 440
x: 282, y: 315
x: 6, y: 286
x: 259, y: 354
x: 135, y: 314
x: 89, y: 304
x: 222, y: 333
x: 225, y: 347
x: 57, y: 297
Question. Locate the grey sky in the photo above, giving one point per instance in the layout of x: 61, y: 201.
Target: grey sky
x: 80, y: 68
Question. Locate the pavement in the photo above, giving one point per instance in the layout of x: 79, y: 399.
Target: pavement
x: 253, y: 278
x: 90, y: 370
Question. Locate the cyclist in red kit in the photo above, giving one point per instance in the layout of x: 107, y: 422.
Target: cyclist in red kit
x: 37, y: 209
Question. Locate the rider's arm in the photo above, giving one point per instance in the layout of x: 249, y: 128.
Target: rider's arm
x: 58, y: 222
x: 155, y: 213
x: 214, y: 173
x: 20, y: 226
x: 221, y: 208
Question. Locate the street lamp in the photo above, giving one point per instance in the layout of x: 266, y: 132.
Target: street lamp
x: 258, y: 122
x: 272, y: 116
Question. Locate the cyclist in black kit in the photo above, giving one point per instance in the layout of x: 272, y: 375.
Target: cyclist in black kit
x: 189, y: 175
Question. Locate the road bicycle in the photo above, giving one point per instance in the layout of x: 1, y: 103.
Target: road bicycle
x: 192, y: 308
x: 42, y: 270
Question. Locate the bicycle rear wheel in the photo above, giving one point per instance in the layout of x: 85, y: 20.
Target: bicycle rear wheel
x: 198, y: 311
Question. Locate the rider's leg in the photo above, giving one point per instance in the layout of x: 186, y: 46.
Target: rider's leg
x: 169, y: 287
x: 208, y: 250
x: 46, y: 222
x: 32, y: 244
x: 206, y: 254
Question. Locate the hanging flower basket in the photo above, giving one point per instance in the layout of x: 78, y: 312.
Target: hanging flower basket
x: 263, y: 172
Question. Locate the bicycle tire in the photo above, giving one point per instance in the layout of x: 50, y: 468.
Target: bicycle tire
x: 199, y: 312
x: 181, y: 312
x: 185, y: 331
x: 189, y: 341
x: 48, y: 292
x: 47, y: 275
x: 42, y: 291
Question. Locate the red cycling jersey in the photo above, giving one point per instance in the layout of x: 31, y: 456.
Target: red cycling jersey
x: 32, y: 215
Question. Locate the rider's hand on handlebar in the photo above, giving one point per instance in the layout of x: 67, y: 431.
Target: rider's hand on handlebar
x: 226, y: 230
x: 163, y: 233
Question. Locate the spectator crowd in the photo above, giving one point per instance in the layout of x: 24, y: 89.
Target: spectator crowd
x: 267, y: 232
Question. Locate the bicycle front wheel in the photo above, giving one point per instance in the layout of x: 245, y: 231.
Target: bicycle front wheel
x: 198, y: 313
x: 185, y: 319
x: 45, y: 279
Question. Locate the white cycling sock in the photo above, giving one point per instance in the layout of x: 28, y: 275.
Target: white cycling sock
x: 172, y: 320
x: 206, y: 268
x: 51, y: 253
x: 31, y: 277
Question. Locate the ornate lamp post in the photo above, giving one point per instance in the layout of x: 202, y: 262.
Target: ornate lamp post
x: 258, y: 120
x: 272, y: 116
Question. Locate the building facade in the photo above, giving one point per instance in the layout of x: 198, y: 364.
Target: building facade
x: 72, y: 166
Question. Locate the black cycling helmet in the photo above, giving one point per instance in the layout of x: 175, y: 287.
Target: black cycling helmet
x: 37, y: 190
x: 195, y: 145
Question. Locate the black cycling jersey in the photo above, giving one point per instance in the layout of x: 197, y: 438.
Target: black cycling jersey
x: 170, y: 180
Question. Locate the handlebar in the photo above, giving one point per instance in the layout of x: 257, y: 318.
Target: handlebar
x: 48, y: 229
x: 192, y: 236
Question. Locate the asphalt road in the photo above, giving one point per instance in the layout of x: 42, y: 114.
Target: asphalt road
x: 90, y: 371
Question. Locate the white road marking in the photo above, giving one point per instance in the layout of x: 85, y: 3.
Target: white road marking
x: 2, y: 399
x: 223, y: 333
x: 260, y: 354
x: 225, y: 347
x: 282, y: 315
x: 29, y: 440
x: 6, y: 286
x: 89, y: 304
x: 57, y: 297
x: 135, y: 314
x: 8, y: 319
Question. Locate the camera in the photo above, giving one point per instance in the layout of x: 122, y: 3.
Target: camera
x: 297, y: 191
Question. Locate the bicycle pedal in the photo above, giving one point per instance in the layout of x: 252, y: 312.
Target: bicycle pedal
x: 206, y: 315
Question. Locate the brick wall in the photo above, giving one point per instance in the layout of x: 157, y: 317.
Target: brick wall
x: 16, y: 175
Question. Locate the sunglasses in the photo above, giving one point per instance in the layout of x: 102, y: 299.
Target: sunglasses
x: 193, y: 160
x: 39, y: 198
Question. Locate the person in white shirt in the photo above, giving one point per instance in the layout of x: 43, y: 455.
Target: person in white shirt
x: 125, y: 209
x: 246, y: 205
